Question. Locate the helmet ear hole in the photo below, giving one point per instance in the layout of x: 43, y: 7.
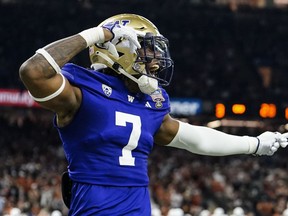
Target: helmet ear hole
x: 120, y: 54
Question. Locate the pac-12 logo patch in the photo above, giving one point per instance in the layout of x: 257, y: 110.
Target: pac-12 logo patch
x: 107, y: 90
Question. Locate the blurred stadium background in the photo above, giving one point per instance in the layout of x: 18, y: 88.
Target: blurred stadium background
x: 231, y: 66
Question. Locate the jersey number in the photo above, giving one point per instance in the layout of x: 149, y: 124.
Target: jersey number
x: 126, y: 159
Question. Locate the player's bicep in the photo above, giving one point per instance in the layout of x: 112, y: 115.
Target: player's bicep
x: 63, y: 97
x: 167, y: 131
x: 54, y: 93
x: 43, y: 89
x: 50, y: 89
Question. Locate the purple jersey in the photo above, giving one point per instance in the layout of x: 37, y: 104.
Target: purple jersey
x: 111, y: 135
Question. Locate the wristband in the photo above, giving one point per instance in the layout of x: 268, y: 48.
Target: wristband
x: 93, y: 35
x: 258, y: 144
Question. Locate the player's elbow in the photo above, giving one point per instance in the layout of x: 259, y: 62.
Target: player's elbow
x: 28, y: 70
x: 23, y: 70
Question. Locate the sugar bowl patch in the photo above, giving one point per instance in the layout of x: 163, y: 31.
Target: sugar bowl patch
x: 158, y: 98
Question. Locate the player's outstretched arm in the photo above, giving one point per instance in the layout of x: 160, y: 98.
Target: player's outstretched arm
x: 207, y: 141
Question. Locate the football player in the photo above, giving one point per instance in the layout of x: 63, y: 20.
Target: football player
x: 109, y: 116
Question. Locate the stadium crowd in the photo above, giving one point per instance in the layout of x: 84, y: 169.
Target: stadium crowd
x: 216, y: 51
x: 32, y: 162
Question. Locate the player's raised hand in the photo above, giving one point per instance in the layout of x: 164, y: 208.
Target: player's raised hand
x: 284, y: 140
x: 121, y: 32
x: 269, y: 142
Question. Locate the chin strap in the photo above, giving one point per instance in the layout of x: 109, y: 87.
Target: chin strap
x: 98, y: 66
x: 147, y: 85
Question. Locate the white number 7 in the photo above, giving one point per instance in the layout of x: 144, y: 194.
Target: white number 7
x: 121, y: 119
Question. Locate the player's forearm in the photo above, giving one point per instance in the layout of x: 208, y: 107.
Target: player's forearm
x: 64, y: 50
x: 38, y: 68
x: 59, y: 53
x: 207, y: 141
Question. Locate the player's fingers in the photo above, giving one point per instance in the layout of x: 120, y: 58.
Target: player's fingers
x: 284, y: 140
x: 276, y: 145
x: 283, y: 144
x: 284, y: 135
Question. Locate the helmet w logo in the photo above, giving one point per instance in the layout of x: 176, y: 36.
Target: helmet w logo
x: 122, y: 22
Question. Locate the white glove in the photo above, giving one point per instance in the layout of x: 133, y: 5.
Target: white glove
x: 123, y: 32
x: 284, y: 140
x: 111, y: 48
x: 268, y: 143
